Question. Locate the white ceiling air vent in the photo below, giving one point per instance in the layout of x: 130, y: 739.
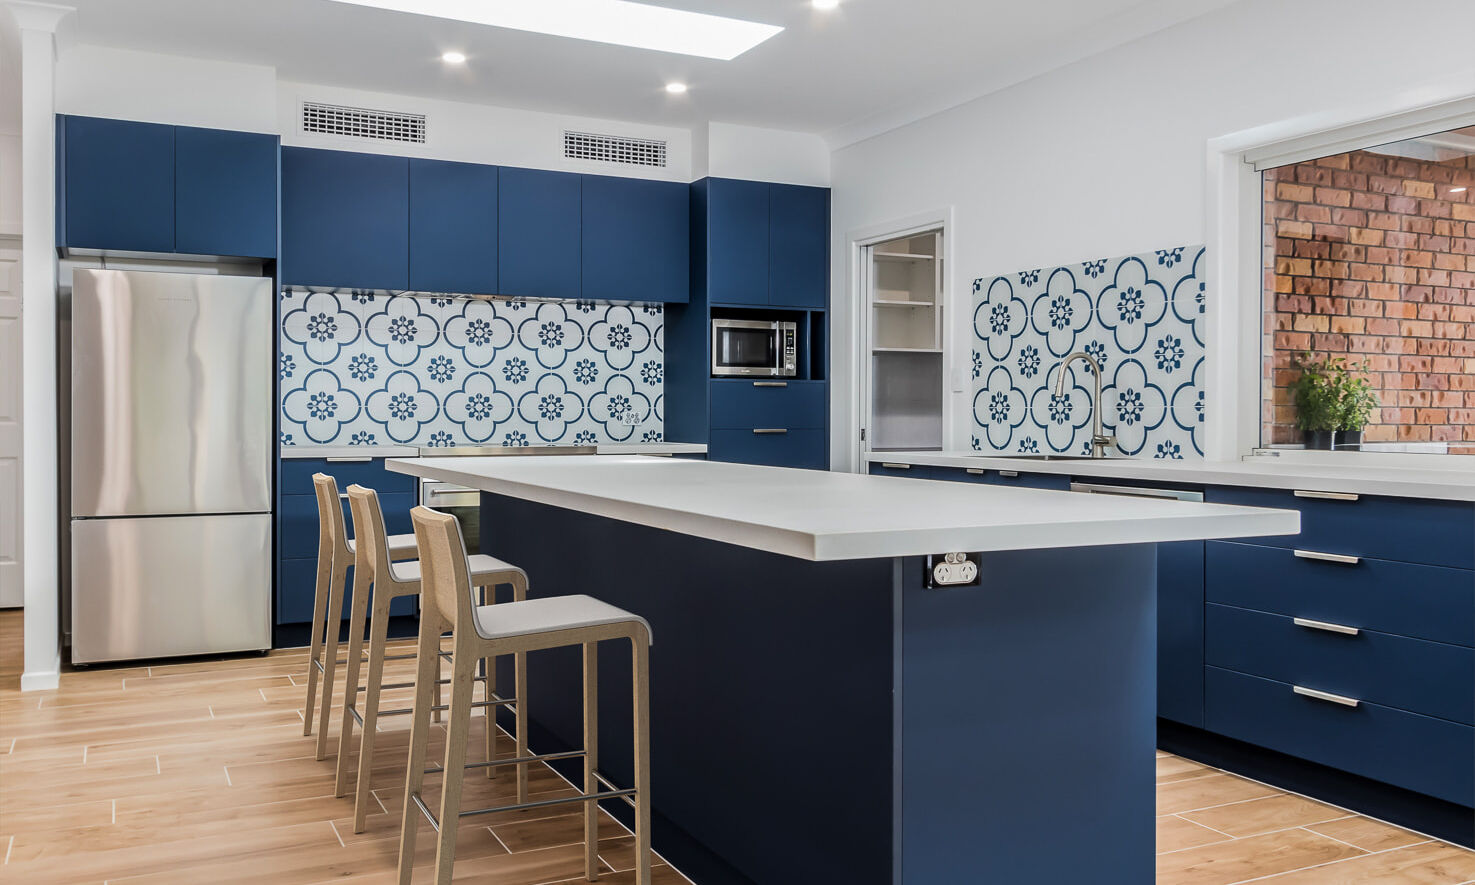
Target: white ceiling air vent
x: 332, y: 119
x: 614, y: 149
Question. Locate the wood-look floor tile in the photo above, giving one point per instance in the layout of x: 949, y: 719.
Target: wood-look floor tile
x: 1204, y: 792
x: 1254, y: 857
x: 1430, y: 863
x: 1368, y: 834
x: 1174, y: 834
x: 1265, y: 815
x: 1176, y: 768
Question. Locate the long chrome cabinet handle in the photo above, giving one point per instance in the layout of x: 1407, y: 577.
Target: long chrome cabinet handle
x: 770, y: 430
x: 349, y: 459
x: 1325, y: 696
x: 1323, y: 625
x: 893, y: 466
x: 1326, y: 496
x: 1327, y: 557
x: 770, y: 384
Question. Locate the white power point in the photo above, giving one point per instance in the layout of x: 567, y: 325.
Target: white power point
x: 953, y: 569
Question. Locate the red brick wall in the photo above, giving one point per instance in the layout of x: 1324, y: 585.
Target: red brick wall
x: 1372, y: 256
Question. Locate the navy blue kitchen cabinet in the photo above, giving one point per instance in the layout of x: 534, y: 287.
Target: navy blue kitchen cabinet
x: 225, y: 192
x: 539, y: 232
x: 771, y: 446
x: 453, y: 227
x: 345, y: 219
x: 118, y: 185
x: 1180, y: 632
x: 1049, y: 481
x: 903, y: 471
x: 798, y: 245
x: 636, y: 239
x: 737, y: 258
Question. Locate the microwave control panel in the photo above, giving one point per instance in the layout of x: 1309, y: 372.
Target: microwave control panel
x: 791, y: 359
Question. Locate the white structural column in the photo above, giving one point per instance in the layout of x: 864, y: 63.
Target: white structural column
x: 37, y: 23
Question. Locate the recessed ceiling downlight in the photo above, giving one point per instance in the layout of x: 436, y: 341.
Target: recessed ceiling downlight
x: 826, y: 5
x: 453, y: 57
x: 676, y: 88
x: 620, y: 22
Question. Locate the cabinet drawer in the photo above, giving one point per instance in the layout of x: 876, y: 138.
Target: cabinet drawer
x: 297, y: 521
x: 1004, y: 478
x: 1431, y: 678
x: 748, y: 404
x: 297, y: 588
x: 1401, y: 529
x: 1423, y: 601
x: 794, y: 448
x: 297, y: 476
x: 906, y: 471
x: 1419, y: 753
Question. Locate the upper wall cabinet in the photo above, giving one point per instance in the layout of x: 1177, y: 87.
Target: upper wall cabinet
x: 225, y: 192
x: 146, y: 187
x: 118, y: 182
x: 345, y: 219
x: 737, y: 241
x: 453, y: 227
x: 798, y: 245
x: 767, y: 244
x: 636, y: 239
x: 538, y: 233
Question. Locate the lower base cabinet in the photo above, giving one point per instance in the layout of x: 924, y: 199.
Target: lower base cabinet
x: 1180, y: 632
x: 798, y: 447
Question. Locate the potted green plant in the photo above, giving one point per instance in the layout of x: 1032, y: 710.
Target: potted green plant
x: 1318, y: 406
x: 1356, y: 402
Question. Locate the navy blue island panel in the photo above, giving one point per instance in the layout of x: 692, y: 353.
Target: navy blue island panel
x: 837, y: 722
x: 453, y: 227
x: 345, y: 219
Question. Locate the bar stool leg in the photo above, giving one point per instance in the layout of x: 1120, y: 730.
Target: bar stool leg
x: 378, y: 632
x: 489, y: 676
x: 315, y: 650
x: 354, y: 664
x: 425, y: 669
x: 640, y: 661
x: 591, y: 759
x: 463, y: 670
x: 332, y: 621
x: 520, y: 687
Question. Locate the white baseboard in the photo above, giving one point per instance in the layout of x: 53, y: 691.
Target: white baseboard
x: 45, y: 680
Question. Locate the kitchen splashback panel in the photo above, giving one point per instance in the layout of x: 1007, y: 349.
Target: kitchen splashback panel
x: 1140, y: 316
x: 378, y: 368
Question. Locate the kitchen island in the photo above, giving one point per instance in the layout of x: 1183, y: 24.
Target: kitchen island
x: 818, y: 713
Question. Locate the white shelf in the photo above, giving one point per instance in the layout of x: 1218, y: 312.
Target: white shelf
x: 906, y: 350
x: 901, y: 302
x: 901, y: 256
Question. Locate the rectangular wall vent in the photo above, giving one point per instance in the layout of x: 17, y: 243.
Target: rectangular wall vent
x: 614, y: 149
x: 331, y: 119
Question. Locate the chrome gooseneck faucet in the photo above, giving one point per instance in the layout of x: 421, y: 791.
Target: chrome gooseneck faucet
x: 1099, y: 442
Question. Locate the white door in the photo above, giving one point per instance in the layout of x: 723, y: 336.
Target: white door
x: 11, y: 593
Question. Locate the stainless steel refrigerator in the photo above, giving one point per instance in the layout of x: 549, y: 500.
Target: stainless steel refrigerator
x: 171, y: 461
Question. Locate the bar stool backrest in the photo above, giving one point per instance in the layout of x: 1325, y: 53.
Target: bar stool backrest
x: 368, y: 530
x: 331, y: 537
x: 445, y: 581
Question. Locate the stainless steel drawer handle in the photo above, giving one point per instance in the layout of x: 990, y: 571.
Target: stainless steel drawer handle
x: 890, y: 466
x: 976, y: 471
x: 1325, y: 696
x: 1010, y: 473
x: 349, y: 459
x: 1327, y: 557
x: 1326, y: 496
x: 770, y: 384
x: 770, y: 430
x: 1323, y: 625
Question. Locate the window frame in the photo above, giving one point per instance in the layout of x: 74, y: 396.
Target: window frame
x: 1233, y: 226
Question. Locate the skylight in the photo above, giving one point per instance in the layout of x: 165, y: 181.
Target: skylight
x: 620, y: 22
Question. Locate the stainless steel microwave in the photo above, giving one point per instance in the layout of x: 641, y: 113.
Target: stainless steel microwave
x: 755, y: 347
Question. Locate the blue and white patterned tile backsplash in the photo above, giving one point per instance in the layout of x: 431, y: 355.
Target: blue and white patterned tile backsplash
x: 1141, y: 317
x: 377, y: 368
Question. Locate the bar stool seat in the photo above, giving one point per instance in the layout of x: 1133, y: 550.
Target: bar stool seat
x: 400, y: 546
x: 482, y: 566
x: 549, y: 615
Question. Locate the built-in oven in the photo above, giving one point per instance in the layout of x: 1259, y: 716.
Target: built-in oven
x: 755, y: 347
x: 458, y: 501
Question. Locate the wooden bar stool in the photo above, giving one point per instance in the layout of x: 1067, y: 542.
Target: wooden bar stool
x: 483, y: 632
x: 335, y: 553
x: 391, y: 580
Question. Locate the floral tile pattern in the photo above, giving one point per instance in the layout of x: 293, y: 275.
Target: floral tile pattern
x: 376, y: 368
x: 1141, y: 317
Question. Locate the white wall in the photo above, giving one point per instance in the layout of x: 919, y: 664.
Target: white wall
x: 1106, y: 157
x: 99, y: 81
x: 766, y: 155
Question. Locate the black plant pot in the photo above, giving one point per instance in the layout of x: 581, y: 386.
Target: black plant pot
x: 1318, y: 439
x: 1348, y: 439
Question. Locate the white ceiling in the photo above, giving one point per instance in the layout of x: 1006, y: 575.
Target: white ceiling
x: 847, y: 74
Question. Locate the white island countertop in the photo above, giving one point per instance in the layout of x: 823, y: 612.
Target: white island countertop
x: 818, y: 515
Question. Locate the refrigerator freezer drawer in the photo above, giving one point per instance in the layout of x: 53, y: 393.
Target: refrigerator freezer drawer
x: 166, y: 586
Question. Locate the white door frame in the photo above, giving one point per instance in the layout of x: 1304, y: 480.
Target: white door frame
x: 858, y: 327
x: 12, y: 583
